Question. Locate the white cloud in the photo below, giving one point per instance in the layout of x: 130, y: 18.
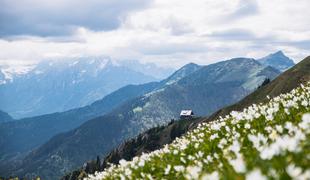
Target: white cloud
x: 175, y: 32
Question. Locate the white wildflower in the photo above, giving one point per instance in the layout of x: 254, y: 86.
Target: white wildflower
x: 238, y: 164
x: 141, y: 163
x: 304, y: 103
x: 247, y: 126
x: 167, y: 169
x: 274, y: 135
x: 222, y: 143
x: 255, y: 175
x: 179, y: 168
x: 279, y: 128
x: 293, y: 171
x: 214, y: 136
x: 212, y: 176
x: 193, y: 172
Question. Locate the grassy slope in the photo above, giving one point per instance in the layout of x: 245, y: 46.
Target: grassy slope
x: 270, y: 140
x: 148, y: 141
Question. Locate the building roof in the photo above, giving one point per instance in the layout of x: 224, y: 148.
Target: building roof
x: 186, y: 113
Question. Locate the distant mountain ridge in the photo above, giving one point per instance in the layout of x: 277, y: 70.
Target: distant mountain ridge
x: 181, y: 73
x: 81, y: 81
x: 277, y: 60
x: 205, y: 89
x: 60, y: 85
x: 149, y: 69
x: 5, y: 117
x: 22, y: 135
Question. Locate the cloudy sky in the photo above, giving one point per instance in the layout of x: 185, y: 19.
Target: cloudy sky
x: 167, y: 32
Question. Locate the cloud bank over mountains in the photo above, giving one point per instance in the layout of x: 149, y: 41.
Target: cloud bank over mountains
x: 169, y: 33
x: 59, y: 18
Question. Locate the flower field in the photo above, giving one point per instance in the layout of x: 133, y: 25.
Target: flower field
x: 265, y: 141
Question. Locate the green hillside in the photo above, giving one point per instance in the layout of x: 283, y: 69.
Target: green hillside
x: 267, y: 140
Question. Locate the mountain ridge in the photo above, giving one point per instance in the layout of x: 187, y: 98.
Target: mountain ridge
x: 5, y: 117
x: 277, y: 60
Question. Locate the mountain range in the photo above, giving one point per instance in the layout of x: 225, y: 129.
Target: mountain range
x: 157, y: 137
x: 45, y: 142
x: 244, y: 130
x: 21, y: 136
x: 202, y: 88
x: 60, y: 85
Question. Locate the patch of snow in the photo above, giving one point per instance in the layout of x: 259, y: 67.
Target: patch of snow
x: 8, y: 75
x: 74, y: 63
x: 9, y: 72
x: 38, y: 72
x: 173, y: 81
x: 253, y: 80
x: 154, y: 92
x: 92, y: 61
x: 147, y: 104
x: 114, y: 63
x: 2, y: 82
x: 102, y: 65
x: 253, y: 83
x: 137, y: 109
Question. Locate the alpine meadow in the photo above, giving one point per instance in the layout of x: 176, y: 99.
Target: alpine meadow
x: 154, y: 90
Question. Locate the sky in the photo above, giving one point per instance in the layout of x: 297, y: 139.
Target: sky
x: 169, y: 33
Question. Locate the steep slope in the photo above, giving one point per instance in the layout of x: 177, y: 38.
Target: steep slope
x: 57, y: 86
x: 277, y: 60
x: 4, y: 117
x: 264, y: 141
x: 282, y: 84
x: 204, y: 90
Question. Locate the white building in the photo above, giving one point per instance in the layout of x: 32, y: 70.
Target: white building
x: 187, y: 114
